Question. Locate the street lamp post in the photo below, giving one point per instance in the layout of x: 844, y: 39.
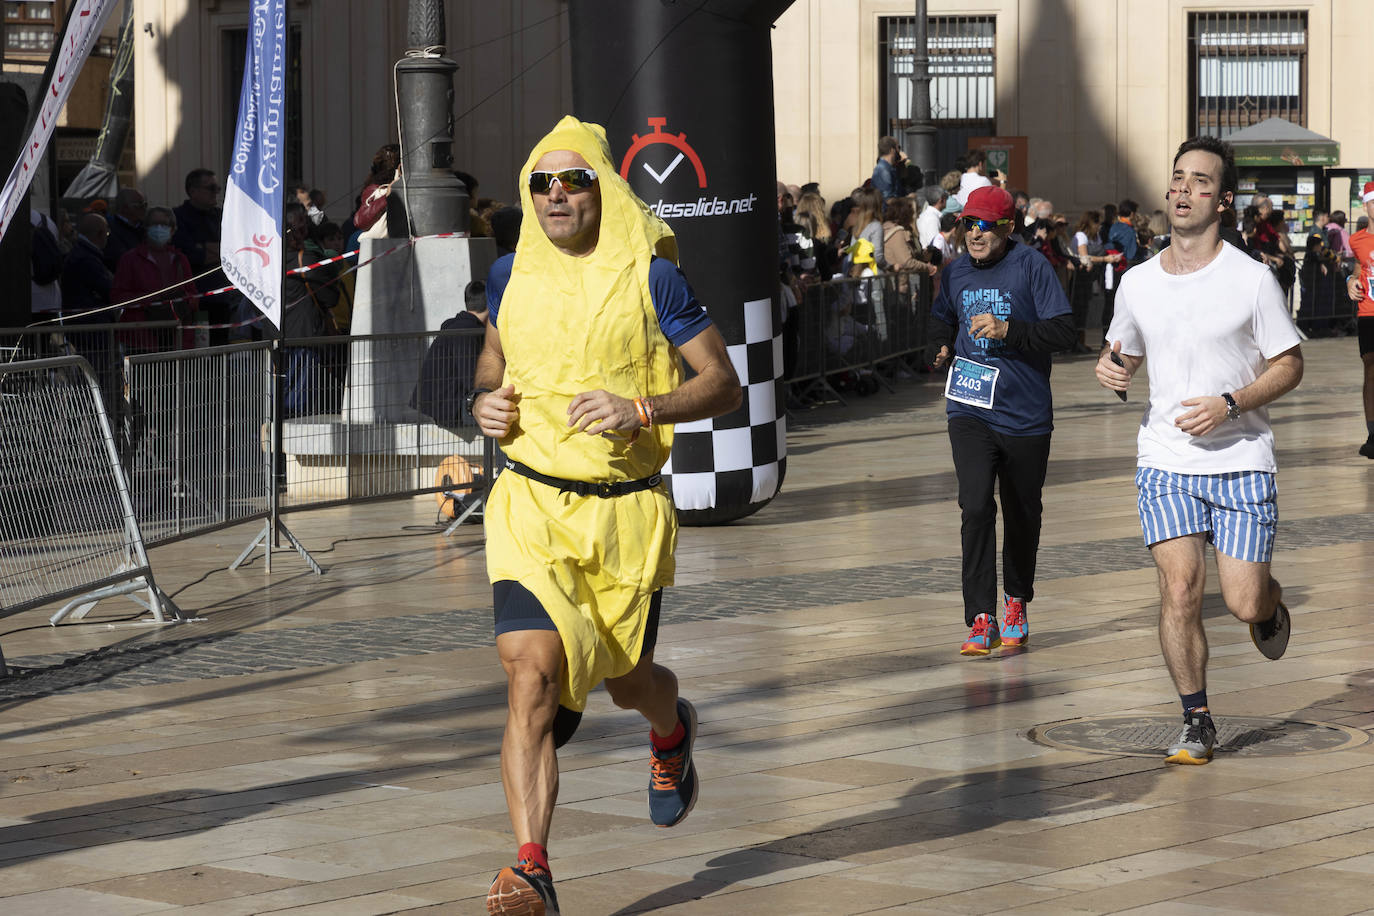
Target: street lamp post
x: 436, y: 201
x: 920, y: 135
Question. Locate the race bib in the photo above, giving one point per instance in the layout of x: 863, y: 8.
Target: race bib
x: 971, y: 383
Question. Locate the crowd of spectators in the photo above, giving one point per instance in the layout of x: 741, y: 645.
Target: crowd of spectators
x: 892, y: 222
x: 163, y: 260
x: 124, y: 261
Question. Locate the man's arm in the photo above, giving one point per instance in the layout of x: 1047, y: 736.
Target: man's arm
x: 1110, y: 375
x: 1051, y: 330
x: 944, y: 324
x: 1280, y: 377
x: 1048, y: 335
x: 714, y: 390
x: 497, y: 410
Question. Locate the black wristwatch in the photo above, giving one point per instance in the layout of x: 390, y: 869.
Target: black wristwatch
x: 1232, y: 408
x: 473, y: 395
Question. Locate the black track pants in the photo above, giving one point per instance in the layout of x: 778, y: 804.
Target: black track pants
x: 1016, y: 464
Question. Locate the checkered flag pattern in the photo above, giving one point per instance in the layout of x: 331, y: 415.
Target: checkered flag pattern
x: 738, y: 459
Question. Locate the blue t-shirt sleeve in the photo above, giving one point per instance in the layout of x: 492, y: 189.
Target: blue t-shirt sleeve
x: 943, y: 308
x: 680, y: 315
x: 498, y: 278
x: 1046, y: 291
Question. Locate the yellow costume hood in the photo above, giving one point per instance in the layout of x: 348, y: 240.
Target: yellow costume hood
x: 628, y: 226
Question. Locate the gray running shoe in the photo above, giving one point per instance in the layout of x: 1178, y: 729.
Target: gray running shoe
x: 1194, y: 745
x: 1271, y: 636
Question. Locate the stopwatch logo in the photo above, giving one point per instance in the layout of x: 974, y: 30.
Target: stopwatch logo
x: 660, y: 137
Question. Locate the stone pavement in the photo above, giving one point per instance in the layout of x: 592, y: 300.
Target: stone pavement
x: 329, y: 744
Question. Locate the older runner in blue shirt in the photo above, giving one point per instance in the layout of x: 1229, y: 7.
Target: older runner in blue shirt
x: 999, y: 313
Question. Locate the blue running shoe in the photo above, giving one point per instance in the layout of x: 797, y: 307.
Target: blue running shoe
x: 983, y: 638
x: 1015, y: 626
x: 673, y: 775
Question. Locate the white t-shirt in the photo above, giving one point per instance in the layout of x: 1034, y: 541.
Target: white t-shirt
x: 928, y: 225
x: 968, y: 183
x: 1206, y: 332
x: 1080, y: 242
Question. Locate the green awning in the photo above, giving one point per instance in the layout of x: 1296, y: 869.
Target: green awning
x: 1278, y: 142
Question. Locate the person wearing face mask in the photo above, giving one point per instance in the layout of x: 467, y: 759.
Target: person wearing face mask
x: 154, y: 266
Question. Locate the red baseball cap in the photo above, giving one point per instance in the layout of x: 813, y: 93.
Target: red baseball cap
x: 989, y: 203
x: 1368, y: 192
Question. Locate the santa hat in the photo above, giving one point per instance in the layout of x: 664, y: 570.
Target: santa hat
x: 1368, y: 192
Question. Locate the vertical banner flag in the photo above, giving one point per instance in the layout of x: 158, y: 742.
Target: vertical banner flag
x: 85, y: 19
x: 251, y: 239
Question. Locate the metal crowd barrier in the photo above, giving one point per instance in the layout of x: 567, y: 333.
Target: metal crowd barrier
x: 872, y: 327
x: 195, y: 421
x: 101, y: 345
x: 1323, y: 307
x: 68, y: 529
x: 377, y: 416
x: 348, y: 419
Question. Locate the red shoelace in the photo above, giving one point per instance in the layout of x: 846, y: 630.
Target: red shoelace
x: 1015, y: 613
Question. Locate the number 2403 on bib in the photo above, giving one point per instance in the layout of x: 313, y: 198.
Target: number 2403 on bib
x: 972, y: 383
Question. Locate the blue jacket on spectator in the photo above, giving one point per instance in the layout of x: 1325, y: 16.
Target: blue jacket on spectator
x: 885, y: 179
x: 1122, y: 238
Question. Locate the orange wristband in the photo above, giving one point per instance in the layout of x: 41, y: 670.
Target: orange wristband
x: 646, y: 413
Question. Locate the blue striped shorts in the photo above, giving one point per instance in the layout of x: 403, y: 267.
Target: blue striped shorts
x: 1238, y: 511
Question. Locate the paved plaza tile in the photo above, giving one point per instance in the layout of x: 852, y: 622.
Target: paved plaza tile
x: 330, y: 744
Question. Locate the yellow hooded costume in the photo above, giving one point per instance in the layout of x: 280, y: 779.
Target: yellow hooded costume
x: 570, y: 325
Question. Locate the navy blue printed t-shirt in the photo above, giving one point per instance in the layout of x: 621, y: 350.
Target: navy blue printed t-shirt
x: 680, y: 315
x: 1021, y: 286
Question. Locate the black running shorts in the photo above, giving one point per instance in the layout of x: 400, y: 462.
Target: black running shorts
x: 516, y: 608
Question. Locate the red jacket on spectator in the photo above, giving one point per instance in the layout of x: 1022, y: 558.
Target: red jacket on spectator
x: 371, y: 209
x: 144, y: 270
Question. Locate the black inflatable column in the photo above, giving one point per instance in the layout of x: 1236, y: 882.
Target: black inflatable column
x: 685, y: 91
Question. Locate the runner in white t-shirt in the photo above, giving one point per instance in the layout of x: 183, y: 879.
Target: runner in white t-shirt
x: 1221, y: 346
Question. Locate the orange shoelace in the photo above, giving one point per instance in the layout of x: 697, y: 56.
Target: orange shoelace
x: 531, y: 867
x: 666, y: 772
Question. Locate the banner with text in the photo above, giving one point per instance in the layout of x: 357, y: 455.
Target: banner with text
x: 85, y: 20
x: 251, y: 239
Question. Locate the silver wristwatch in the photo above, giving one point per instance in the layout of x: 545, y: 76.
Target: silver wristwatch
x: 1232, y: 408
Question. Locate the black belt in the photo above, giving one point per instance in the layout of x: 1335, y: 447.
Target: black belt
x: 585, y: 488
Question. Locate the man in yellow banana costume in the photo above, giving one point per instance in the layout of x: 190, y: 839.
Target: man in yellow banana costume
x: 580, y: 379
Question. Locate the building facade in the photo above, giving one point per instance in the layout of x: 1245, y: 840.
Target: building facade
x: 1103, y: 91
x: 512, y: 84
x: 29, y: 31
x: 1097, y: 93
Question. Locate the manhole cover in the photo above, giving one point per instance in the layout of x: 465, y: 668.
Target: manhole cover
x: 1245, y: 736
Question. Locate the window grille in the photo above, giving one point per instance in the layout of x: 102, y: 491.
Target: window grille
x: 1244, y: 68
x: 235, y: 49
x: 963, y: 64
